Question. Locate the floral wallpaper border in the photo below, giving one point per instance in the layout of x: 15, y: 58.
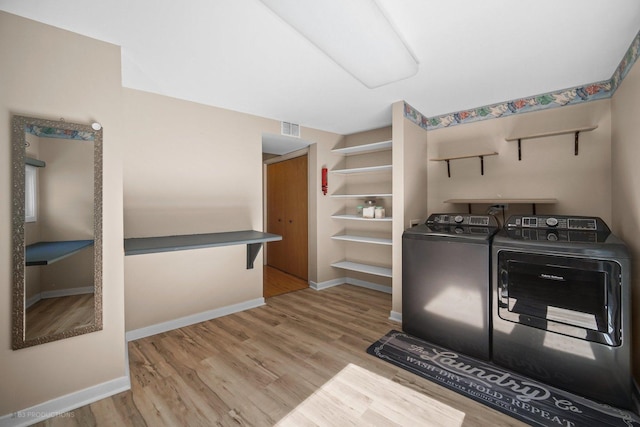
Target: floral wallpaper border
x: 51, y: 132
x: 575, y: 95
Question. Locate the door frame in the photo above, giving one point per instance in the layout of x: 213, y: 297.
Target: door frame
x: 278, y: 159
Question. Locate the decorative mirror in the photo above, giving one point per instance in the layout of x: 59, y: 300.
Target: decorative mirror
x: 56, y: 230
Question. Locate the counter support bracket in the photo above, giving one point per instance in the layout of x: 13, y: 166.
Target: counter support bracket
x: 252, y: 253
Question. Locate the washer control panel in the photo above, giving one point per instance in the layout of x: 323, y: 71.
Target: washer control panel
x: 462, y: 219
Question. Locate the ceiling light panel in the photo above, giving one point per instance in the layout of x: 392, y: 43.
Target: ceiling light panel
x: 356, y: 34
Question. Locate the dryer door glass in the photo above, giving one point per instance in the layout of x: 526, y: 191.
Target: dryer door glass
x: 572, y: 296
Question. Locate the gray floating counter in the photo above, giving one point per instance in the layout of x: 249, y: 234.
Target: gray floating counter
x: 45, y: 253
x: 150, y: 245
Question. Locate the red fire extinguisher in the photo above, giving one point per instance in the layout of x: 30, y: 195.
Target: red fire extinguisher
x: 324, y: 181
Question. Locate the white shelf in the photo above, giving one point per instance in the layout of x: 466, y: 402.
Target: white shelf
x: 363, y: 170
x: 503, y: 201
x: 363, y: 268
x: 470, y: 156
x: 551, y: 133
x: 365, y: 148
x: 359, y: 218
x: 363, y: 239
x: 361, y: 196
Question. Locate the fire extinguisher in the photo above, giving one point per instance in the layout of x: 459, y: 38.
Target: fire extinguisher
x: 324, y: 181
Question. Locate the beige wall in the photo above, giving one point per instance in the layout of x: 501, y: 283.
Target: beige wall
x: 51, y: 73
x: 189, y: 168
x: 323, y: 250
x: 66, y: 209
x: 549, y: 169
x: 625, y: 153
x: 410, y: 179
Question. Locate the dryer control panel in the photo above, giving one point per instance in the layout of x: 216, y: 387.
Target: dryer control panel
x: 557, y: 228
x: 557, y: 222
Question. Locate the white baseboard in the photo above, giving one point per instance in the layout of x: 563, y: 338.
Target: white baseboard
x: 60, y: 405
x: 328, y: 284
x: 59, y: 293
x: 351, y: 281
x: 67, y: 292
x: 395, y: 316
x: 192, y: 319
x: 368, y: 285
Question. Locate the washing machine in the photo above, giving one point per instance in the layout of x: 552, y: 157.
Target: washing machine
x: 561, y: 305
x: 446, y: 281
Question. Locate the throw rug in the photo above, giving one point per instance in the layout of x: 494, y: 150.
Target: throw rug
x: 522, y: 398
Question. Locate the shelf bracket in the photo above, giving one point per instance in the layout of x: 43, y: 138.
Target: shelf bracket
x: 481, y: 165
x: 519, y: 149
x: 252, y: 253
x: 448, y: 169
x: 575, y: 143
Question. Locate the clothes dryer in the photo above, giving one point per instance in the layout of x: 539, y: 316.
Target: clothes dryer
x: 561, y: 305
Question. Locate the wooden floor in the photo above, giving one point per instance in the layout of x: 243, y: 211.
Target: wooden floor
x: 55, y: 315
x: 277, y: 282
x: 299, y: 360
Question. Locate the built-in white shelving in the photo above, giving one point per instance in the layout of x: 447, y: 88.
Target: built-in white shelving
x: 365, y: 148
x: 363, y: 268
x: 363, y: 239
x: 354, y: 237
x: 360, y: 218
x: 367, y: 169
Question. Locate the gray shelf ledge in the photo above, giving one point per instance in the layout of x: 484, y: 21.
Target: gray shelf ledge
x: 150, y: 245
x: 45, y: 253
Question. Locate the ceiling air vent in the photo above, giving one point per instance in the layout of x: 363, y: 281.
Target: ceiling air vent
x: 290, y: 129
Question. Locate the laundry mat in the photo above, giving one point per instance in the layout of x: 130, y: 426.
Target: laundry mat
x: 520, y: 397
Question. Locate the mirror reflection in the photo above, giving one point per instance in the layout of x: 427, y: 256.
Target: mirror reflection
x: 57, y: 230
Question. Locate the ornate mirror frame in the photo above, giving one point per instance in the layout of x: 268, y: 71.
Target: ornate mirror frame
x: 18, y: 138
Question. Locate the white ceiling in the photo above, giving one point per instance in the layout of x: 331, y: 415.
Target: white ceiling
x: 239, y: 55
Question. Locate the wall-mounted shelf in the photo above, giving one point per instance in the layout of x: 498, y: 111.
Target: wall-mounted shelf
x: 363, y: 239
x: 363, y: 268
x: 574, y: 131
x: 480, y: 156
x: 34, y: 162
x: 150, y: 245
x: 363, y: 170
x: 503, y: 201
x: 45, y: 253
x: 365, y: 148
x: 359, y: 218
x: 362, y: 196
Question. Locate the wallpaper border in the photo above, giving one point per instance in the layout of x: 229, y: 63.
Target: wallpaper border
x: 575, y: 95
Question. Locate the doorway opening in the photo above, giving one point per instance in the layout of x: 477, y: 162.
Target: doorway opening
x: 287, y: 214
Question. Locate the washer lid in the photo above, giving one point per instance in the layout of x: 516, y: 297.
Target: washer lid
x: 450, y: 232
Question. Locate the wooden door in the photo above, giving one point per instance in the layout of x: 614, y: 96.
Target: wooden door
x: 276, y: 181
x: 287, y: 215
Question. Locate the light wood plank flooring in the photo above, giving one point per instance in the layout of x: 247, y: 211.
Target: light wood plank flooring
x: 277, y: 282
x: 280, y: 363
x: 54, y: 315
